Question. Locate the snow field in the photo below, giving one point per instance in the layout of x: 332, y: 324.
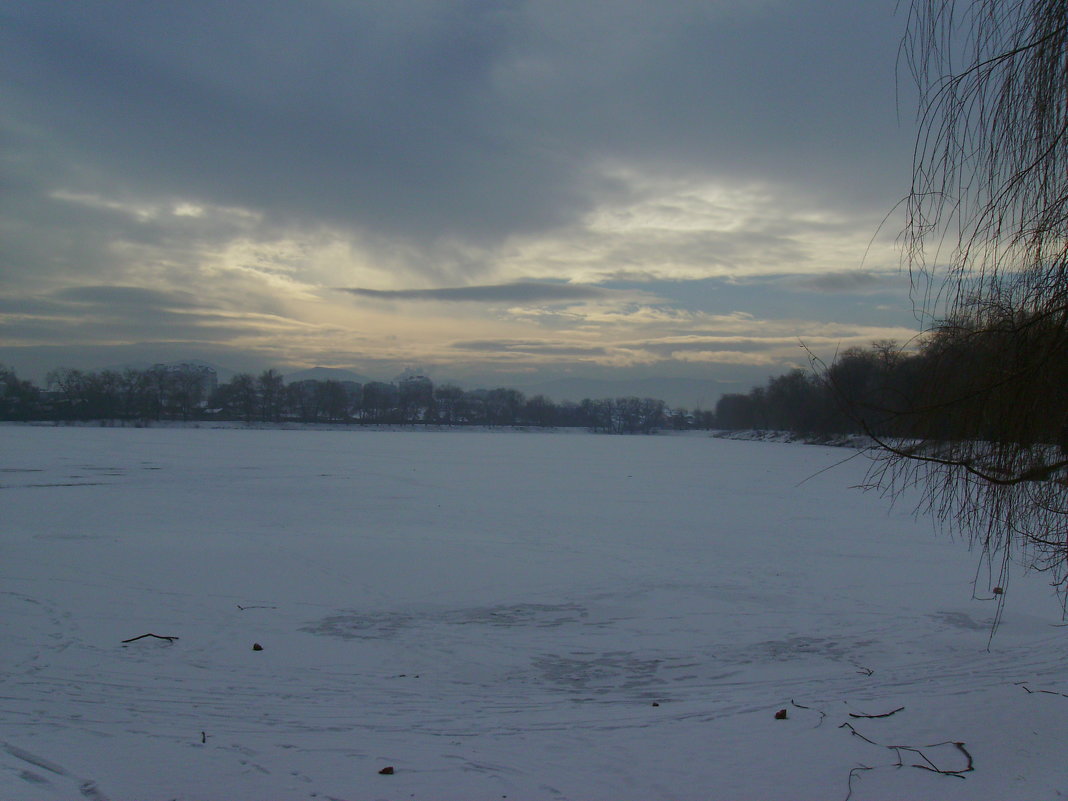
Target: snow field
x: 530, y: 616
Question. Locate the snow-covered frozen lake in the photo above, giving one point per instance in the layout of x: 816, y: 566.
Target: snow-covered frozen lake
x: 498, y: 615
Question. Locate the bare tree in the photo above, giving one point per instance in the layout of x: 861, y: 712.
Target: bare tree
x: 271, y: 388
x: 240, y: 396
x: 986, y: 242
x: 19, y: 399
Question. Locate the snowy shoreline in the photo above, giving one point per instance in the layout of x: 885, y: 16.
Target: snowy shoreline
x: 857, y: 441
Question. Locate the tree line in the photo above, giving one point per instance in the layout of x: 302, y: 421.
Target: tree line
x: 191, y: 392
x: 995, y: 377
x: 999, y: 376
x: 838, y: 399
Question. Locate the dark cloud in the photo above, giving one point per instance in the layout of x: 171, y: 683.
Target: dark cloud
x: 125, y: 296
x: 34, y: 361
x: 114, y: 314
x: 97, y: 331
x: 529, y: 346
x: 203, y: 170
x: 520, y: 292
x: 853, y: 281
x: 381, y: 116
x: 29, y: 306
x: 467, y: 120
x: 74, y: 306
x: 720, y: 343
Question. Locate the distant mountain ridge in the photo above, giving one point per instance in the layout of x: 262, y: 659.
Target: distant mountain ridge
x: 326, y: 374
x: 223, y: 373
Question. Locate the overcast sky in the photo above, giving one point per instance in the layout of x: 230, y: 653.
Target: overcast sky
x: 506, y: 190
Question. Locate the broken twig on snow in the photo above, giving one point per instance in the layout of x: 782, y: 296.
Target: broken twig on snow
x: 821, y: 713
x: 872, y: 717
x: 157, y: 636
x: 852, y: 775
x: 1045, y: 692
x: 930, y: 766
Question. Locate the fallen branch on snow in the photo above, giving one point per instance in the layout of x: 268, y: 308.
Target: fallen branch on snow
x: 1046, y: 692
x: 157, y: 636
x: 822, y: 714
x: 852, y: 775
x: 873, y: 717
x: 930, y: 766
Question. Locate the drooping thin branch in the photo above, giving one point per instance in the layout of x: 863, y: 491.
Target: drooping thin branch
x: 1042, y: 472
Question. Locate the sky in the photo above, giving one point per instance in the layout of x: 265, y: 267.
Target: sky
x: 507, y: 193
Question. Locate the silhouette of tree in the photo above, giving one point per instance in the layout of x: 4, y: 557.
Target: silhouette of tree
x: 986, y: 242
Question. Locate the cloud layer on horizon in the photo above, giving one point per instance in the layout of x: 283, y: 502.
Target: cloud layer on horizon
x: 574, y: 175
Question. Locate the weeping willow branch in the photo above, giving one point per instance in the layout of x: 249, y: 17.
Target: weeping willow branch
x: 984, y: 432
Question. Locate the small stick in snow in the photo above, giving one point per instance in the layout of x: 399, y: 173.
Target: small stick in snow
x: 857, y: 733
x: 157, y: 636
x: 883, y: 715
x: 852, y: 775
x: 930, y: 766
x: 1047, y: 692
x: 822, y: 714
